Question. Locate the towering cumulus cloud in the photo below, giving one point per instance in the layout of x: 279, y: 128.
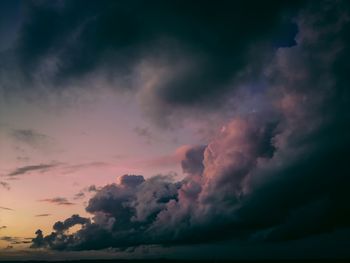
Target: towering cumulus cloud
x: 278, y: 173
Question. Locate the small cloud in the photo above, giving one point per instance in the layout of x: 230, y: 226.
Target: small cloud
x: 88, y: 189
x: 57, y: 201
x: 3, y: 227
x: 92, y: 188
x: 79, y: 195
x: 32, y: 138
x: 30, y: 168
x: 42, y: 215
x: 145, y: 133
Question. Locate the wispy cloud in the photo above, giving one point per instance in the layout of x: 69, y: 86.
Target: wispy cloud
x: 57, y: 201
x: 76, y: 167
x: 30, y: 168
x: 6, y: 208
x: 62, y: 167
x: 42, y: 215
x: 8, y: 238
x: 3, y: 227
x: 78, y: 196
x: 89, y: 189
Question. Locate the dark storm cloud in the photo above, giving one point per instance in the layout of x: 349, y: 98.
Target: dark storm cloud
x: 213, y: 41
x: 30, y: 168
x: 57, y: 201
x: 9, y: 22
x: 278, y: 174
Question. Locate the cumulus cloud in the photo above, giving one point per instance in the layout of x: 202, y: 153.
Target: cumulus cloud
x: 192, y: 162
x: 70, y: 222
x: 274, y: 175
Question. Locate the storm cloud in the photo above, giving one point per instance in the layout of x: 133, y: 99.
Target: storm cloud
x: 198, y: 50
x: 278, y: 174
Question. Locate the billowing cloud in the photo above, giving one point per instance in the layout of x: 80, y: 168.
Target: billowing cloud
x: 274, y: 175
x: 70, y: 222
x: 178, y: 54
x: 192, y: 163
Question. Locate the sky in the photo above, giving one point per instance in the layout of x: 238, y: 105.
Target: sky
x: 174, y: 129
